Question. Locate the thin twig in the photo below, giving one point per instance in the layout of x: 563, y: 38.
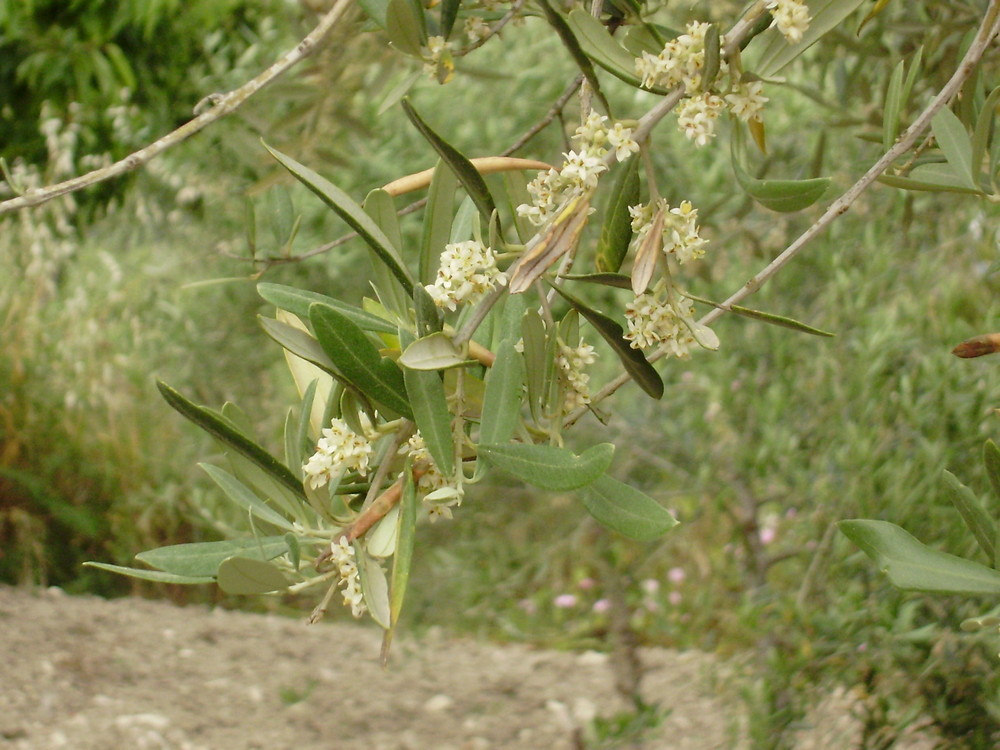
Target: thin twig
x: 987, y: 31
x: 221, y: 105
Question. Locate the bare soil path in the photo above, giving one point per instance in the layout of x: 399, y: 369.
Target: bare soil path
x: 88, y: 674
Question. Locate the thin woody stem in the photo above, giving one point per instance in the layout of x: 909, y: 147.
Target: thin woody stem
x: 222, y: 105
x: 987, y: 31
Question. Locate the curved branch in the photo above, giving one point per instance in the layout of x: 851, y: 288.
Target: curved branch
x: 220, y: 106
x: 988, y: 30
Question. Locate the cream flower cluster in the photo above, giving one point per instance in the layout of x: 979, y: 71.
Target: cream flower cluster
x: 581, y: 169
x: 791, y: 17
x: 697, y: 114
x: 657, y: 318
x: 746, y: 100
x: 468, y: 270
x: 681, y: 236
x: 339, y: 449
x: 342, y: 555
x: 572, y: 362
x: 439, y: 496
x: 681, y: 63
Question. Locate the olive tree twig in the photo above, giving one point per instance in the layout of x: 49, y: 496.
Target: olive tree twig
x: 220, y: 105
x: 988, y: 30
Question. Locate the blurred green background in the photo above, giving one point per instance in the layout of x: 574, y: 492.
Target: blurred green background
x: 758, y: 448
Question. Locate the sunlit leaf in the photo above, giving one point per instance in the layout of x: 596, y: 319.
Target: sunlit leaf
x: 912, y: 566
x: 380, y: 541
x: 244, y: 576
x: 626, y: 510
x: 550, y: 467
x: 374, y: 586
x: 434, y: 352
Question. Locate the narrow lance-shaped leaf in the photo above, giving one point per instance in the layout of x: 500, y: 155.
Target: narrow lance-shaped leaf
x: 297, y: 302
x: 380, y: 207
x: 425, y: 390
x: 557, y: 22
x: 405, y: 26
x: 765, y: 317
x: 360, y: 362
x: 776, y: 53
x: 157, y: 576
x: 449, y: 12
x: 218, y: 428
x: 978, y: 521
x: 437, y: 220
x: 984, y: 129
x: 533, y: 335
x: 244, y: 497
x: 602, y: 48
x: 404, y: 547
x: 893, y: 104
x: 504, y: 392
x: 627, y: 510
x: 549, y: 467
x: 912, y: 566
x: 244, y: 576
x: 778, y: 195
x: 616, y: 231
x: 351, y: 213
x: 203, y: 558
x: 635, y: 363
x: 936, y: 178
x: 951, y: 136
x: 471, y: 180
x: 991, y: 457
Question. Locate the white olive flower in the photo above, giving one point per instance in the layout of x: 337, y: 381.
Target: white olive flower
x: 747, y: 100
x: 340, y: 449
x: 791, y: 17
x: 468, y: 271
x: 696, y: 116
x: 664, y: 318
x: 681, y: 236
x: 342, y: 555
